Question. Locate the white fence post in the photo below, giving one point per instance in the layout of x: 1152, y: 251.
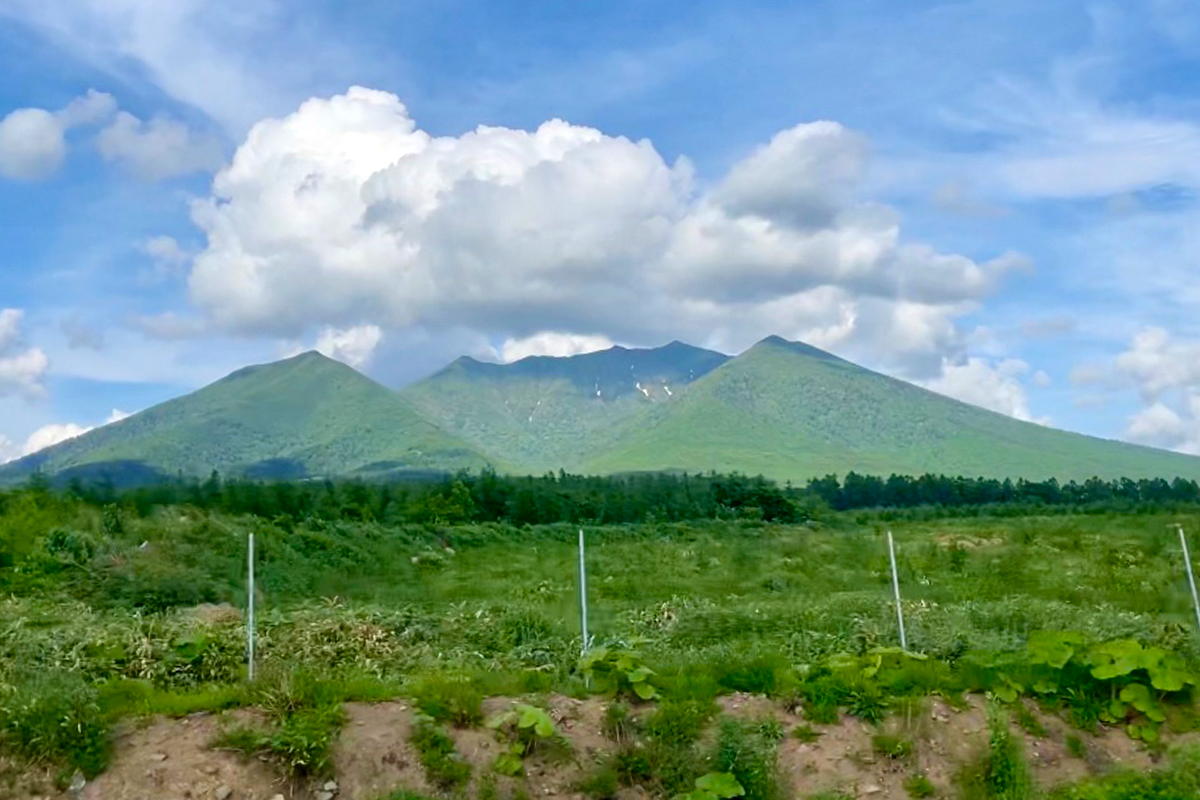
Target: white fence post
x: 896, y: 591
x: 1187, y: 563
x: 583, y: 608
x: 250, y: 614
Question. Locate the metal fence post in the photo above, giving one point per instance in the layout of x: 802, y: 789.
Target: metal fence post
x: 896, y: 592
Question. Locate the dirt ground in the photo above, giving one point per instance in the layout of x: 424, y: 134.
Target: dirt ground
x: 174, y: 760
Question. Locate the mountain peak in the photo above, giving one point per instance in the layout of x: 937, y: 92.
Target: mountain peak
x: 776, y: 343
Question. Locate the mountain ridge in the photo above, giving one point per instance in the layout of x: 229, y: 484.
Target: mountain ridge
x: 783, y: 409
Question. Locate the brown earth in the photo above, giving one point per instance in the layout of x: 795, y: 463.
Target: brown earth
x: 173, y: 759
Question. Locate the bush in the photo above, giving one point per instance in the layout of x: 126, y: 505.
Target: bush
x: 998, y: 772
x: 444, y: 765
x: 56, y: 719
x: 451, y: 700
x: 918, y: 786
x: 744, y: 751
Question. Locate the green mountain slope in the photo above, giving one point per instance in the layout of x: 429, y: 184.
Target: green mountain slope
x: 304, y: 416
x: 790, y: 411
x: 781, y: 409
x: 544, y: 413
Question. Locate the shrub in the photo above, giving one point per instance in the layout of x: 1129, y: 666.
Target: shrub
x: 999, y: 771
x: 891, y: 746
x: 918, y: 786
x: 56, y: 719
x: 452, y: 700
x: 444, y: 765
x: 744, y: 752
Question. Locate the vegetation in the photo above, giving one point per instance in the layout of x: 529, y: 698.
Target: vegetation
x: 444, y: 765
x: 781, y: 409
x: 1084, y: 614
x: 307, y: 415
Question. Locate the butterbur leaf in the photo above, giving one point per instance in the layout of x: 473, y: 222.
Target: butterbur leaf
x: 640, y: 674
x: 1117, y: 710
x: 1114, y: 659
x: 1008, y: 693
x: 1168, y: 672
x: 1138, y: 695
x: 720, y: 784
x: 1051, y: 648
x: 509, y: 763
x: 645, y: 691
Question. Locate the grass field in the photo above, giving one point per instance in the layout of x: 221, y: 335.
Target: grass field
x: 104, y: 613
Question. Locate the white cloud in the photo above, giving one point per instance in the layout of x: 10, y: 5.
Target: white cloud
x: 91, y: 108
x: 1165, y: 371
x: 33, y: 143
x: 994, y: 386
x: 353, y: 346
x: 345, y: 211
x: 50, y: 435
x: 165, y: 249
x: 9, y: 450
x: 1063, y: 142
x: 22, y: 368
x: 159, y: 149
x: 549, y: 343
x: 32, y: 146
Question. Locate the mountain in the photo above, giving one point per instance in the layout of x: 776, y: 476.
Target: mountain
x: 791, y: 411
x: 544, y: 413
x: 305, y: 416
x: 781, y: 409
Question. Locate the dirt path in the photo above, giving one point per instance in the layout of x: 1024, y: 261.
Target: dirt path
x: 174, y: 760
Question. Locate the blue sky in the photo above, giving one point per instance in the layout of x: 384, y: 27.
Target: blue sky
x: 996, y: 199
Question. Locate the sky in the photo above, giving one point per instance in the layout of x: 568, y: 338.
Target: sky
x: 995, y: 199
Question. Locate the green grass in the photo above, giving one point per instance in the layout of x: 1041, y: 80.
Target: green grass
x: 918, y: 786
x: 999, y: 771
x: 345, y: 614
x: 444, y: 765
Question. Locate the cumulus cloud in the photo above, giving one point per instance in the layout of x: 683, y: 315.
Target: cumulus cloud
x: 353, y: 346
x: 550, y: 343
x: 159, y: 149
x: 1165, y: 371
x: 22, y: 368
x: 995, y: 386
x: 31, y: 144
x: 33, y: 141
x: 346, y: 211
x: 50, y: 435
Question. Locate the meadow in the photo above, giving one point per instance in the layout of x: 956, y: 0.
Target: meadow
x: 112, y: 614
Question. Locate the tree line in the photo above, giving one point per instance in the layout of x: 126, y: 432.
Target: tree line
x: 612, y: 500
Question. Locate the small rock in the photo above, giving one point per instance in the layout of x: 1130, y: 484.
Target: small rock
x: 278, y: 797
x: 330, y: 786
x: 210, y: 769
x: 77, y: 783
x: 159, y: 757
x: 223, y: 793
x: 324, y: 795
x: 872, y: 788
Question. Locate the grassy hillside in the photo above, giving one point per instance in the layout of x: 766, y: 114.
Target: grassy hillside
x: 545, y: 413
x: 782, y: 409
x: 791, y: 411
x: 304, y: 416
